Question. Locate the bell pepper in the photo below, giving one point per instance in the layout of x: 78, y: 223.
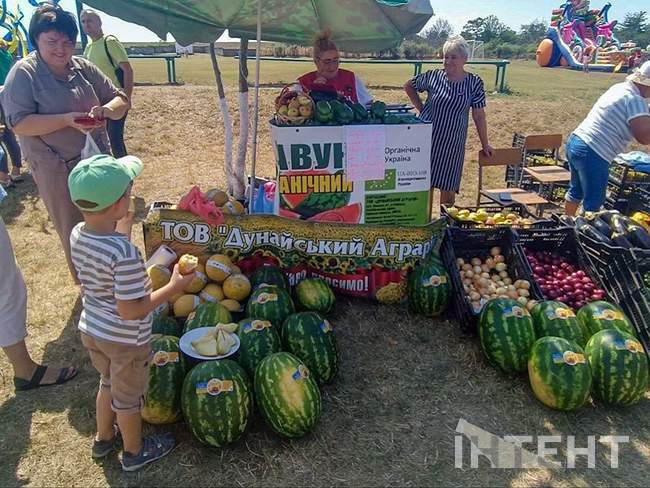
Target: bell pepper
x: 360, y: 112
x: 342, y: 113
x: 392, y: 119
x: 324, y: 112
x: 378, y: 110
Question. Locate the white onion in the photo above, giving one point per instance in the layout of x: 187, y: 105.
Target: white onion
x: 499, y: 259
x: 507, y: 281
x: 469, y: 273
x: 460, y: 262
x: 525, y: 285
x: 467, y: 267
x: 523, y: 301
x: 523, y: 292
x: 477, y: 269
x: 495, y: 251
x: 503, y: 274
x: 501, y: 266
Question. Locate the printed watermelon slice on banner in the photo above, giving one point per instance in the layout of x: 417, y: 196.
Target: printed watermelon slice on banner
x: 350, y: 214
x: 311, y: 203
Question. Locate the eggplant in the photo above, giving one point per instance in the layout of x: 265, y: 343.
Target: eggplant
x: 607, y: 216
x: 591, y: 232
x: 638, y: 236
x: 602, y: 227
x: 617, y: 225
x: 621, y: 241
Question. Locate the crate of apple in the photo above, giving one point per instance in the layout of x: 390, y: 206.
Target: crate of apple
x: 561, y: 280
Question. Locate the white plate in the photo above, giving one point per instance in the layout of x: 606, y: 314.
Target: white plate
x: 186, y: 344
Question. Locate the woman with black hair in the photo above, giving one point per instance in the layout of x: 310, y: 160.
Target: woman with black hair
x: 46, y: 97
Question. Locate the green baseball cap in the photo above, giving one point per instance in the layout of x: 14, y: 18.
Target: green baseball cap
x: 101, y: 180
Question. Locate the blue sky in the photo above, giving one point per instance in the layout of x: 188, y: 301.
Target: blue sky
x: 513, y: 13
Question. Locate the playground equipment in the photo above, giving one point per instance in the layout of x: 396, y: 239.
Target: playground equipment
x: 578, y: 32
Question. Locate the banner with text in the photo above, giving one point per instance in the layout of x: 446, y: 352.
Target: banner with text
x: 318, y: 181
x: 359, y: 260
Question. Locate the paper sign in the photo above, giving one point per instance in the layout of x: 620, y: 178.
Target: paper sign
x: 365, y: 147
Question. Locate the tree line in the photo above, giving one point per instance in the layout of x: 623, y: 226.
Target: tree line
x: 501, y: 41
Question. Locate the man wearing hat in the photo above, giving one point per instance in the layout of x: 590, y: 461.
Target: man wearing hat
x: 620, y: 116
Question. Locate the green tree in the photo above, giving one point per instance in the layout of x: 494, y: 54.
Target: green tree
x: 438, y: 33
x: 635, y: 27
x: 533, y: 33
x: 485, y: 29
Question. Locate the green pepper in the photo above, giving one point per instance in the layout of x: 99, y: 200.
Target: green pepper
x: 324, y: 112
x: 378, y: 110
x: 392, y: 119
x: 342, y: 113
x: 360, y: 112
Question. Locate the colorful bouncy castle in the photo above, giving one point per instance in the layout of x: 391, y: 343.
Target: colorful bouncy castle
x: 578, y: 35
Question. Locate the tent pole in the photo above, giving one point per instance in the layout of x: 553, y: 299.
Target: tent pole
x: 256, y: 105
x: 84, y: 38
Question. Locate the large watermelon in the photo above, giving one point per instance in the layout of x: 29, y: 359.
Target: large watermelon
x: 287, y: 395
x: 270, y: 303
x: 559, y: 373
x: 429, y: 288
x: 507, y: 333
x: 166, y: 326
x: 309, y: 336
x: 207, y: 314
x: 315, y: 295
x: 166, y: 374
x: 597, y: 316
x: 217, y: 401
x: 619, y: 367
x: 269, y: 275
x: 258, y: 339
x: 555, y: 319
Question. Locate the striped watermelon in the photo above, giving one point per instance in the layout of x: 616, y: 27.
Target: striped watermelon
x: 166, y: 374
x: 429, y: 288
x: 269, y: 275
x: 207, y: 314
x: 270, y: 303
x: 316, y: 295
x: 597, y: 316
x: 555, y: 319
x: 166, y: 326
x: 287, y: 395
x: 619, y: 367
x: 559, y: 373
x: 217, y: 402
x: 507, y: 333
x: 309, y: 337
x: 258, y: 339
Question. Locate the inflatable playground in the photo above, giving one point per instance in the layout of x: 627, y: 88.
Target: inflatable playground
x: 580, y: 35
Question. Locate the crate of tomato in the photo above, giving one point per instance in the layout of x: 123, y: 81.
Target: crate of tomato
x: 559, y: 266
x: 493, y: 216
x: 485, y: 264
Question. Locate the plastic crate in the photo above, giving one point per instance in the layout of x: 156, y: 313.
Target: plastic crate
x: 494, y: 209
x: 637, y: 309
x: 468, y: 244
x: 562, y: 241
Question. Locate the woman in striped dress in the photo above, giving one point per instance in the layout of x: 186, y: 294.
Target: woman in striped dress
x: 451, y: 93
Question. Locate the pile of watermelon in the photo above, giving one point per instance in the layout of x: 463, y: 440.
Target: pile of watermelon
x: 288, y: 350
x: 569, y: 357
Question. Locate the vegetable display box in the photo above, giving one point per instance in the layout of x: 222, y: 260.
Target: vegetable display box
x: 371, y: 174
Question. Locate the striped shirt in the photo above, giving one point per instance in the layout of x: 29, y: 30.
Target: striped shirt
x: 447, y: 109
x: 110, y: 268
x: 606, y: 129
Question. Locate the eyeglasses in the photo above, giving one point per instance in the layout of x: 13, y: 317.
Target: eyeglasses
x: 327, y: 62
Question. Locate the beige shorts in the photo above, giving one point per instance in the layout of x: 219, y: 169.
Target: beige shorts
x: 13, y: 294
x: 124, y: 369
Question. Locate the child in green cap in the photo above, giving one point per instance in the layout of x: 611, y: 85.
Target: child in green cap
x: 118, y: 302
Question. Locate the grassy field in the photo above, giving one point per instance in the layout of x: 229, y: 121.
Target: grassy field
x: 405, y: 382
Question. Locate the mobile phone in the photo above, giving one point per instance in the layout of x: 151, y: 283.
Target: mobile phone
x: 87, y: 120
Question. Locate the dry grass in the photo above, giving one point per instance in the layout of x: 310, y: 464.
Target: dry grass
x: 405, y: 381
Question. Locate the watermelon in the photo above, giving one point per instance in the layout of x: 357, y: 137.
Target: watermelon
x: 269, y: 275
x: 286, y: 394
x: 557, y: 320
x: 316, y: 203
x: 597, y: 316
x: 619, y: 367
x: 350, y: 214
x: 559, y: 373
x: 429, y: 288
x: 166, y: 373
x: 166, y: 326
x: 217, y: 401
x: 207, y: 314
x: 507, y: 333
x: 316, y: 295
x: 258, y: 339
x: 270, y: 303
x: 309, y: 337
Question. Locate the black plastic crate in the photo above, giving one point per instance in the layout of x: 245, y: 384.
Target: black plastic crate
x: 468, y: 244
x: 562, y: 241
x: 637, y: 309
x: 493, y: 209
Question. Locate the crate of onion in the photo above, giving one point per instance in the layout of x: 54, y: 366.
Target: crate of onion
x: 559, y: 266
x: 485, y: 264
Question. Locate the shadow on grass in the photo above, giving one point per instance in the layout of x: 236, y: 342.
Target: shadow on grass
x: 16, y: 437
x: 19, y: 197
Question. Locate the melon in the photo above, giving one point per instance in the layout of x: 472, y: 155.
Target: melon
x: 212, y: 292
x: 218, y: 267
x: 185, y: 305
x: 159, y: 276
x: 237, y: 286
x: 199, y: 281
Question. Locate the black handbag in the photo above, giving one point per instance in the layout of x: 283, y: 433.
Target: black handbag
x: 119, y: 72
